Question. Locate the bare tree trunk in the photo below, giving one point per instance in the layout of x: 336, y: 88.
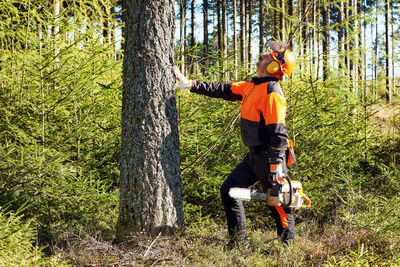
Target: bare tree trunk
x: 205, y: 34
x: 325, y: 42
x: 150, y: 189
x: 242, y: 31
x: 114, y: 56
x: 261, y: 26
x: 182, y: 36
x: 376, y: 51
x: 290, y: 13
x: 394, y: 56
x: 219, y: 28
x: 340, y: 38
x: 192, y: 41
x: 56, y: 27
x: 224, y: 37
x: 387, y: 50
x: 250, y: 31
x: 316, y: 39
x: 355, y: 47
x: 347, y: 37
x: 282, y: 15
x: 235, y: 46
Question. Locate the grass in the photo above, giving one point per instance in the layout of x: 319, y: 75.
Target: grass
x: 204, y: 244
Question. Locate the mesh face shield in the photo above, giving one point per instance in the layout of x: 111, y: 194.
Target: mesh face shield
x: 281, y: 54
x: 278, y: 51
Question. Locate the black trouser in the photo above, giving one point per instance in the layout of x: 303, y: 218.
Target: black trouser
x: 254, y: 167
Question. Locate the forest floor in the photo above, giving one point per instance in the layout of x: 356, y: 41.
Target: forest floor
x: 387, y: 117
x: 205, y: 245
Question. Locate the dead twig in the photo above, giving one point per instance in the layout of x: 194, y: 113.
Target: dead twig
x: 152, y: 243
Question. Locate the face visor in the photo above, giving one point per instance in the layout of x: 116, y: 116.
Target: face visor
x: 285, y: 58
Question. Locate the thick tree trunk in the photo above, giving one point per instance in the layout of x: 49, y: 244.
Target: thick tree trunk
x: 150, y: 190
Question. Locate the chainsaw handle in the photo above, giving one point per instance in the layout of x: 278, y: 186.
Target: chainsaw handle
x: 307, y: 200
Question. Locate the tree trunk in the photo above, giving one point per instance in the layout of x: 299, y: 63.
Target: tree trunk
x: 290, y: 13
x: 114, y: 56
x: 192, y: 41
x: 224, y: 36
x: 282, y: 15
x: 150, y: 190
x: 355, y: 47
x: 242, y: 32
x: 340, y: 38
x: 250, y: 31
x: 235, y: 53
x: 315, y: 38
x: 205, y: 34
x: 261, y: 27
x: 347, y: 37
x: 182, y: 34
x: 394, y: 57
x: 325, y: 42
x: 219, y: 28
x: 387, y: 50
x: 302, y: 33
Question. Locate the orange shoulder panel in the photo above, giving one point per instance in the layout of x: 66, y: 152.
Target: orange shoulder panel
x: 275, y: 109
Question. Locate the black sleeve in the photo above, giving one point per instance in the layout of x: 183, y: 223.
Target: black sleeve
x: 215, y: 89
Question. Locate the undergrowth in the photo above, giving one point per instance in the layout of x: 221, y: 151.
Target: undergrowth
x: 204, y: 244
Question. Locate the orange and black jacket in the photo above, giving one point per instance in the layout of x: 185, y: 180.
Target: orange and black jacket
x: 263, y: 111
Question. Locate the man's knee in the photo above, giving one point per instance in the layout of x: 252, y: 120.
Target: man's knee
x: 224, y: 190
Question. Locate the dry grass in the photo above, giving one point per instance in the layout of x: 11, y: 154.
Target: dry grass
x: 205, y: 246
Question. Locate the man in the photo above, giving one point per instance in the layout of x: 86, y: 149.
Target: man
x: 263, y: 130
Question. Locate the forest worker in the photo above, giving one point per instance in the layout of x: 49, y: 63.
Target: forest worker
x: 263, y: 130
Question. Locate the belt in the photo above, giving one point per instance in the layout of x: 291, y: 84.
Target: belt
x: 258, y: 149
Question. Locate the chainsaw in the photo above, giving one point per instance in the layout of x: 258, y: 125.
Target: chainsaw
x: 286, y: 194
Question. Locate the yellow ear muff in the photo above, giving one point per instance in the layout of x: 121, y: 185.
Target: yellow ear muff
x: 273, y: 67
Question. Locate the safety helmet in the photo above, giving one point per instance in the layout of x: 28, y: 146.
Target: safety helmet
x: 284, y: 60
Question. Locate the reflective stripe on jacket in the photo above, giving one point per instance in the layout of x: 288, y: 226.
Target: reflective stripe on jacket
x: 263, y: 111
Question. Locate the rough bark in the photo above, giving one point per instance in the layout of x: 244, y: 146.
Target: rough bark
x: 150, y: 190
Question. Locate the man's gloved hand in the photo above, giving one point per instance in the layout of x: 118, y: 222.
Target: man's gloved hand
x: 276, y: 172
x: 185, y: 83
